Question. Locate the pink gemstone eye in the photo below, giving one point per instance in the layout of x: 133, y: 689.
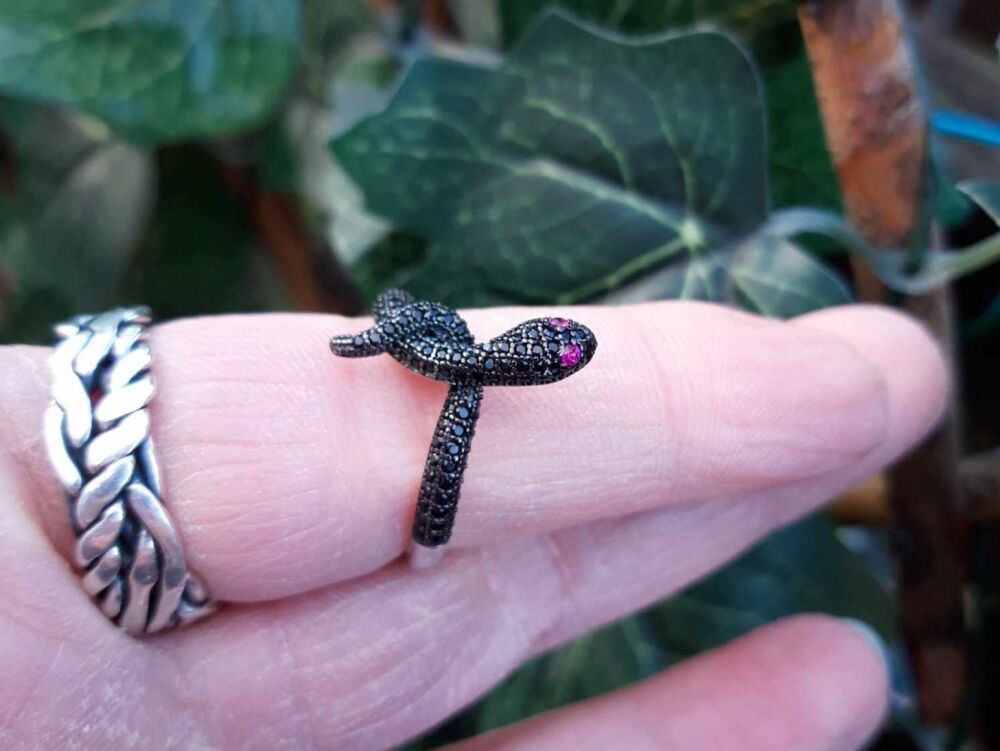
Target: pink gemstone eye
x: 570, y: 355
x: 559, y: 324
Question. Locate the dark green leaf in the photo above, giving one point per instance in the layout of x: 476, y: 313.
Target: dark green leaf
x: 775, y: 277
x: 803, y: 568
x: 278, y: 160
x: 386, y: 264
x: 200, y: 255
x: 984, y: 323
x: 747, y: 16
x: 986, y: 194
x: 594, y: 664
x: 81, y: 202
x: 950, y: 206
x: 156, y: 71
x: 584, y: 161
x: 800, y: 167
x: 944, y: 267
x: 801, y: 171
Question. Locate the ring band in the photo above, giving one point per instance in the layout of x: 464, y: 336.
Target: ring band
x: 97, y: 436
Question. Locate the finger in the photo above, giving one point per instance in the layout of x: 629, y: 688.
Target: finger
x: 807, y: 682
x: 289, y: 469
x: 920, y: 381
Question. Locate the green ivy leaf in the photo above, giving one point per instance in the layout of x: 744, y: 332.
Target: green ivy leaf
x: 803, y: 568
x: 81, y: 201
x: 949, y: 205
x: 386, y: 264
x: 155, y: 71
x: 986, y: 194
x: 801, y: 171
x: 984, y: 323
x: 745, y: 16
x: 594, y: 664
x: 584, y: 161
x: 775, y: 277
x: 200, y: 255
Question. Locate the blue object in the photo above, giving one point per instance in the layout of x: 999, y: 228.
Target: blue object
x: 966, y: 126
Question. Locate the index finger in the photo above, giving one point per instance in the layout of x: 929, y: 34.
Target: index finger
x: 288, y: 469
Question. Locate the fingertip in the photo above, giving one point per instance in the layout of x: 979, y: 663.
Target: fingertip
x: 835, y: 673
x: 853, y: 663
x: 873, y: 639
x: 804, y: 403
x: 911, y: 363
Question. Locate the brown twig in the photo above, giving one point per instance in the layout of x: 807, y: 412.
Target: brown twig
x: 432, y: 15
x: 313, y: 275
x: 875, y: 127
x: 867, y: 503
x: 436, y: 16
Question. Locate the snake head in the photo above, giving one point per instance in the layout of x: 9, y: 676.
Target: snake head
x: 542, y: 350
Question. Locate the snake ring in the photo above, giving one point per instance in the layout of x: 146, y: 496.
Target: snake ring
x: 97, y: 435
x: 433, y: 340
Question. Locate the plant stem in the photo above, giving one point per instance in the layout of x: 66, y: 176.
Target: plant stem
x: 938, y: 268
x: 876, y: 131
x: 867, y: 504
x: 313, y: 276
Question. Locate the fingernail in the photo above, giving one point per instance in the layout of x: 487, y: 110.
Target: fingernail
x: 873, y: 638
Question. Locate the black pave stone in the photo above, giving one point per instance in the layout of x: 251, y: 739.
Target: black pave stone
x: 434, y: 341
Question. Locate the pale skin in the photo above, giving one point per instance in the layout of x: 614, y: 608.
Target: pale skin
x: 292, y: 476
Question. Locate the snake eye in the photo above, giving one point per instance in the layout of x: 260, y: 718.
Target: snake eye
x: 570, y: 355
x: 573, y: 342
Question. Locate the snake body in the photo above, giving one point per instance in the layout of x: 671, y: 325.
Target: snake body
x: 433, y: 340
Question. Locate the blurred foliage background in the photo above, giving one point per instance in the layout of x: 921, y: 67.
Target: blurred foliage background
x: 253, y: 155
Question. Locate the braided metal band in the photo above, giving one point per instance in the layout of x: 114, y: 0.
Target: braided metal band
x: 97, y: 434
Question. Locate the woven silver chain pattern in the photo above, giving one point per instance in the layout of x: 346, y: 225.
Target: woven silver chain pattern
x: 97, y: 434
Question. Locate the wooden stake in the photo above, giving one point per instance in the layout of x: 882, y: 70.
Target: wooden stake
x: 877, y: 135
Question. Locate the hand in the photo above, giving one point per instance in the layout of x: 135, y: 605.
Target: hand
x: 292, y: 475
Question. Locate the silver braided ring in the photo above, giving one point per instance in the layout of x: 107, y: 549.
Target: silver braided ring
x: 97, y: 435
